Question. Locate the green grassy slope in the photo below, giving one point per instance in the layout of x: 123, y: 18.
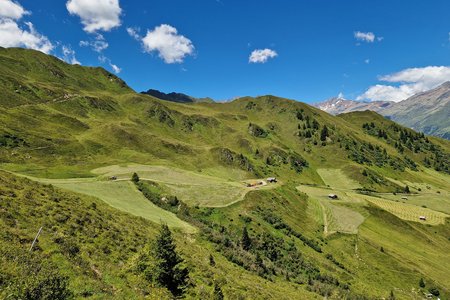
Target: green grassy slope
x: 97, y: 246
x: 66, y: 124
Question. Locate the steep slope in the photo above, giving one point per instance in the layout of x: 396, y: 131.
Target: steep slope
x: 176, y: 97
x: 337, y: 106
x: 31, y: 77
x: 280, y: 240
x: 427, y: 112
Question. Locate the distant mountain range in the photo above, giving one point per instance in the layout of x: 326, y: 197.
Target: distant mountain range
x: 428, y: 112
x: 176, y: 97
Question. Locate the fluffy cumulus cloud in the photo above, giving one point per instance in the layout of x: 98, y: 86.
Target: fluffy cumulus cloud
x: 407, y: 83
x: 12, y: 34
x: 98, y: 15
x: 170, y: 46
x: 11, y: 10
x: 262, y: 55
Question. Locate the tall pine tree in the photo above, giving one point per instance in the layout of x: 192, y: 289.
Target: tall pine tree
x: 168, y: 272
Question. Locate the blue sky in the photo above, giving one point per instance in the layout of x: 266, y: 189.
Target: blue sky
x: 305, y: 50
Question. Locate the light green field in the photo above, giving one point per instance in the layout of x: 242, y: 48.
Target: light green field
x: 334, y: 217
x: 191, y: 187
x: 336, y: 179
x: 408, y: 212
x: 122, y: 195
x: 438, y: 202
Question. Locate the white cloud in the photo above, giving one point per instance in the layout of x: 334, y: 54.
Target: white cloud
x: 11, y: 10
x: 262, y: 55
x: 11, y: 35
x: 103, y: 59
x: 368, y: 37
x: 171, y: 46
x: 69, y: 55
x: 409, y: 82
x: 98, y: 15
x: 134, y: 33
x: 97, y: 46
x: 115, y: 68
x: 14, y: 35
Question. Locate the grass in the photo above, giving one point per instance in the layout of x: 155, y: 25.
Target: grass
x: 342, y: 219
x: 192, y: 187
x: 124, y: 196
x: 331, y: 213
x: 337, y: 179
x: 109, y: 128
x: 409, y: 212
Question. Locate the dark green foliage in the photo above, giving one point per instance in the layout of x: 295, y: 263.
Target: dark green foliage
x: 168, y: 271
x: 278, y: 157
x: 406, y: 141
x: 421, y: 283
x: 334, y: 261
x: 153, y: 192
x: 246, y: 242
x: 406, y: 190
x: 231, y: 158
x: 278, y: 223
x: 434, y: 291
x: 135, y: 178
x: 212, y: 262
x: 324, y: 133
x: 8, y: 140
x: 217, y: 292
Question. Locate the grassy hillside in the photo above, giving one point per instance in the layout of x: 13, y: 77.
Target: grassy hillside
x: 203, y: 170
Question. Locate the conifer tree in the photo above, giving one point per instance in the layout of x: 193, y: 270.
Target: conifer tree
x: 246, y: 242
x: 135, y: 178
x: 168, y: 272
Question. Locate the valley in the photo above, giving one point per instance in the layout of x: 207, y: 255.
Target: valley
x: 103, y: 170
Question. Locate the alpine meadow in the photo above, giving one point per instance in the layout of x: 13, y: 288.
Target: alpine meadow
x: 109, y: 193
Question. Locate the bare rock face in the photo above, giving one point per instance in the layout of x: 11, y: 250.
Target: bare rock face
x: 428, y: 112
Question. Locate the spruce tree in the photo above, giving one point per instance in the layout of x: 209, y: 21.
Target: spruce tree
x: 421, y: 283
x: 135, y: 178
x: 168, y: 272
x: 246, y: 242
x: 324, y: 133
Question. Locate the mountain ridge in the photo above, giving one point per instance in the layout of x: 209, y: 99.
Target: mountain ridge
x: 428, y: 112
x: 176, y: 97
x: 206, y: 165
